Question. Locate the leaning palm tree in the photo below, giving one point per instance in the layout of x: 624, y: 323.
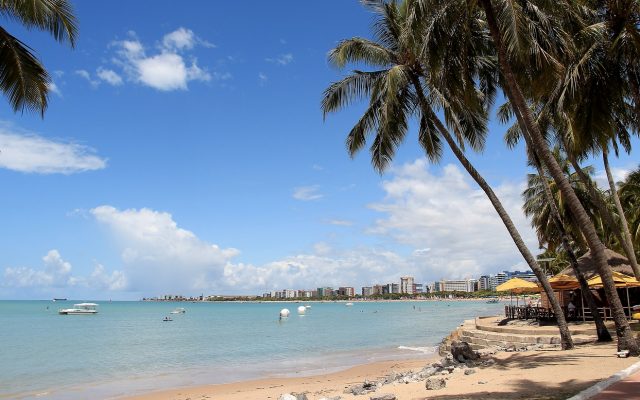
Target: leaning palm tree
x: 408, y: 82
x: 519, y: 28
x: 542, y: 203
x: 23, y: 79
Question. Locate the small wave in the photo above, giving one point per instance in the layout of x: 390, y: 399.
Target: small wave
x: 425, y: 350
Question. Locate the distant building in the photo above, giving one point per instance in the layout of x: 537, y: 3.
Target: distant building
x: 346, y: 291
x: 418, y: 288
x: 484, y: 283
x: 367, y: 291
x: 325, y: 292
x: 459, y: 285
x: 406, y: 285
x: 378, y: 289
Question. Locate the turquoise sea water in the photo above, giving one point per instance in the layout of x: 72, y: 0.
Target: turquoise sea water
x: 127, y: 349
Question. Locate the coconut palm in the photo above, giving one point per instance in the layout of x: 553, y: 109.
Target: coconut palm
x: 23, y: 79
x: 519, y: 28
x: 542, y: 202
x: 416, y: 72
x: 630, y: 199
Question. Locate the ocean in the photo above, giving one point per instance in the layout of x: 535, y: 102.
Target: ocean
x: 127, y: 349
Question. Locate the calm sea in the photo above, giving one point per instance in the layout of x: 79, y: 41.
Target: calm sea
x: 127, y: 349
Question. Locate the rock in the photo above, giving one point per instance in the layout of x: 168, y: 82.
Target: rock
x: 330, y: 398
x: 393, y: 376
x: 461, y: 351
x: 435, y: 383
x: 287, y: 396
x: 300, y: 396
x: 437, y: 364
x: 469, y: 371
x: 366, y: 387
x: 489, y: 362
x: 482, y: 382
x: 428, y: 371
x: 386, y: 396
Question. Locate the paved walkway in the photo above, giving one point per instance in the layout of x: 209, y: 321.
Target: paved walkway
x: 626, y: 389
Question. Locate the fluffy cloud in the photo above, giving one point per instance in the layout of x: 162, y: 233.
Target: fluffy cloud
x: 450, y: 222
x: 167, y: 70
x: 307, y: 193
x: 109, y: 76
x: 158, y: 254
x: 282, y: 59
x: 57, y: 273
x: 26, y: 152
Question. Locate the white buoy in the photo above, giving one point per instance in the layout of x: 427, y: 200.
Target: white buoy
x: 284, y: 313
x: 302, y: 310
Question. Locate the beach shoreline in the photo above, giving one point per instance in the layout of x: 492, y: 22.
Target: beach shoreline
x: 538, y: 374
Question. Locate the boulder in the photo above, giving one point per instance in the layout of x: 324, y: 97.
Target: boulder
x: 469, y: 371
x: 461, y: 351
x: 330, y: 398
x: 300, y: 396
x: 435, y: 383
x: 287, y: 396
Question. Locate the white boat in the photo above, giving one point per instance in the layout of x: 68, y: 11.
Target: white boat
x: 179, y: 310
x: 349, y: 304
x: 80, y: 309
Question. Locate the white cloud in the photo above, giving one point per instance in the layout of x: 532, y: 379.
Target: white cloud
x: 26, y: 152
x: 282, y: 59
x: 57, y: 273
x: 84, y: 74
x: 340, y: 222
x: 109, y: 76
x: 168, y: 69
x: 157, y: 254
x: 453, y: 219
x: 307, y: 193
x: 179, y: 39
x: 263, y: 78
x: 54, y: 88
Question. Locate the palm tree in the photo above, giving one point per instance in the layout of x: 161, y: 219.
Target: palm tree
x: 630, y: 199
x: 23, y: 79
x: 512, y: 40
x: 541, y: 205
x: 404, y: 86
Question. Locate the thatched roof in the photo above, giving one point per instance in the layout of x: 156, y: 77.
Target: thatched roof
x: 616, y: 261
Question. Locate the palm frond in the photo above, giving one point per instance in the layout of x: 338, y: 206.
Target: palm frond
x: 22, y: 78
x: 53, y: 16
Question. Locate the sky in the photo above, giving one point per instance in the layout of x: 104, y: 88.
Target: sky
x: 184, y: 152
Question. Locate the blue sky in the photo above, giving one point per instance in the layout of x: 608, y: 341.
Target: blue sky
x: 184, y: 151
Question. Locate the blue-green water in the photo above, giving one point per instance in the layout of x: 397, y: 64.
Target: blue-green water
x: 127, y: 349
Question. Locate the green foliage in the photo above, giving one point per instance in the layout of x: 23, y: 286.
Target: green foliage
x: 23, y: 79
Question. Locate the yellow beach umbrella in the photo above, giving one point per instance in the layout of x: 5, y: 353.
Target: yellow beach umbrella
x: 621, y: 280
x: 517, y: 285
x: 564, y: 282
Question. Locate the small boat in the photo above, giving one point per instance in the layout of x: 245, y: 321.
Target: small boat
x: 61, y: 299
x: 178, y: 310
x: 349, y: 304
x: 80, y: 309
x: 167, y: 319
x: 491, y: 301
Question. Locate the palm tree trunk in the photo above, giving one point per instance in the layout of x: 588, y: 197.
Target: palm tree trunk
x: 626, y: 339
x: 626, y: 235
x: 565, y: 336
x: 601, y: 329
x: 604, y: 211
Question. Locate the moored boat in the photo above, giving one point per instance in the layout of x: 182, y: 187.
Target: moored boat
x: 80, y: 309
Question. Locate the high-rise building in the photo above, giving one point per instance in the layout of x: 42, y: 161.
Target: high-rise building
x: 406, y: 285
x: 418, y: 288
x: 367, y: 291
x: 325, y: 292
x: 459, y: 285
x: 346, y: 291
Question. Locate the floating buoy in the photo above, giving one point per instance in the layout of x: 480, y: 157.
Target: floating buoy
x: 284, y: 313
x: 302, y: 310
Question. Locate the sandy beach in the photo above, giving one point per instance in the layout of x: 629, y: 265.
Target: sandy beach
x: 540, y: 374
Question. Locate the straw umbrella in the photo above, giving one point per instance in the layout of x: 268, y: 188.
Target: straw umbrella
x: 518, y: 286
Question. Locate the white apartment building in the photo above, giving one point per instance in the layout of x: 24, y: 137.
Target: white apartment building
x: 406, y: 285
